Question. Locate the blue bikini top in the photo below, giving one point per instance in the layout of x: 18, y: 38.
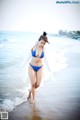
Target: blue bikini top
x: 34, y: 54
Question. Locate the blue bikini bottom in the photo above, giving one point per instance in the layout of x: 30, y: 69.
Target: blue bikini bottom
x: 35, y: 68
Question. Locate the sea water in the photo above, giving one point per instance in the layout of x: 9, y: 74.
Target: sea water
x: 14, y: 46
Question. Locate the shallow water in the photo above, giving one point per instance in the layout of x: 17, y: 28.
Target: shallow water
x: 13, y: 80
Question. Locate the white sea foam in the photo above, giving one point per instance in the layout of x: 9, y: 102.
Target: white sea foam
x: 9, y: 104
x: 56, y: 56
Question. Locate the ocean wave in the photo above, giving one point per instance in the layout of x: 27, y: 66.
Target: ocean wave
x: 9, y: 63
x: 9, y: 105
x: 1, y: 45
x: 3, y: 40
x: 56, y: 58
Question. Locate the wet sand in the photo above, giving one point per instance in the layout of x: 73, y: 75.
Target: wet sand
x: 57, y: 100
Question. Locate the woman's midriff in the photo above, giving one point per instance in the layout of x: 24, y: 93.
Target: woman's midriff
x: 36, y: 61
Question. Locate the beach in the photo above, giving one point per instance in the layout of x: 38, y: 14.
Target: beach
x: 57, y: 100
x: 58, y: 96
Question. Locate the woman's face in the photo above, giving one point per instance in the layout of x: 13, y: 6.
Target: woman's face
x: 42, y: 43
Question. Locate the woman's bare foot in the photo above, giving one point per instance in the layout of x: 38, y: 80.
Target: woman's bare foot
x: 29, y: 96
x: 32, y: 101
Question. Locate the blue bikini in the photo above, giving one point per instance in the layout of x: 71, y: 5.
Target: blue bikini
x: 34, y: 54
x: 36, y: 68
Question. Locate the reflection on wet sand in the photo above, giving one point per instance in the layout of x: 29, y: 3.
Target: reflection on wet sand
x: 54, y: 101
x: 36, y: 113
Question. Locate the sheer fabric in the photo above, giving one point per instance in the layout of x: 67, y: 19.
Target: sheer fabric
x: 47, y: 65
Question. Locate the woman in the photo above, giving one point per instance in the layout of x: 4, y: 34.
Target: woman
x: 35, y: 68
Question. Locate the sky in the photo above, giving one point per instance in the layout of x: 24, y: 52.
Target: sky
x: 38, y: 16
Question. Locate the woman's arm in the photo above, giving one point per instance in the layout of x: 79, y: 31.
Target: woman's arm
x: 27, y: 58
x: 47, y: 64
x: 46, y: 60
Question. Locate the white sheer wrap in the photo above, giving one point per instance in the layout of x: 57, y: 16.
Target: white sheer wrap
x: 54, y: 59
x: 47, y: 64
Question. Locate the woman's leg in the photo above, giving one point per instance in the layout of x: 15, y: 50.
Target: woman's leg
x: 38, y: 77
x: 29, y: 95
x: 32, y: 76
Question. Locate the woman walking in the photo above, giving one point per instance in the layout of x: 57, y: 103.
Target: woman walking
x: 35, y: 69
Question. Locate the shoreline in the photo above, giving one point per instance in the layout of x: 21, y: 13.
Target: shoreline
x: 56, y: 100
